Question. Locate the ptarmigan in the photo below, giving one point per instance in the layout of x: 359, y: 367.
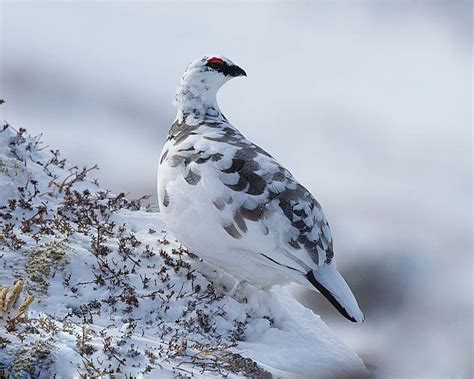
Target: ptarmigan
x: 234, y: 205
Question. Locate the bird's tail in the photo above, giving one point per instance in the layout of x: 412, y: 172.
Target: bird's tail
x: 332, y: 285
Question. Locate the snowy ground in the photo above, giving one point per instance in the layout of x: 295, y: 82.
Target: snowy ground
x: 114, y: 293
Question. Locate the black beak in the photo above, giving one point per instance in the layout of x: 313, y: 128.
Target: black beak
x: 234, y: 71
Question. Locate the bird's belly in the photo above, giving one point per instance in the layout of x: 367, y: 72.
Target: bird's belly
x: 191, y: 216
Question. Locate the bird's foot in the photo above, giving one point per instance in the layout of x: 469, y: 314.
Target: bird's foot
x: 238, y: 292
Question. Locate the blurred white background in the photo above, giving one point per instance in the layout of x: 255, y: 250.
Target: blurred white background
x: 368, y: 104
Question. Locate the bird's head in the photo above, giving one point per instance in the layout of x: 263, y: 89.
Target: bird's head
x: 212, y: 71
x: 200, y: 82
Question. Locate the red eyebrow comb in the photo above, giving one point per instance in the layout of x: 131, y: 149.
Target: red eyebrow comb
x: 215, y: 60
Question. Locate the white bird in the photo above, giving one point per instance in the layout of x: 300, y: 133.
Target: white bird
x: 234, y: 205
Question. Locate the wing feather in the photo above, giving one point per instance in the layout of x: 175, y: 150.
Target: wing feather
x: 256, y: 188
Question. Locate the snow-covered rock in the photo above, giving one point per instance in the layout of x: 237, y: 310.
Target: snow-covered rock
x: 114, y: 293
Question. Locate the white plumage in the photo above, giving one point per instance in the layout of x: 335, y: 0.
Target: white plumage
x: 234, y: 205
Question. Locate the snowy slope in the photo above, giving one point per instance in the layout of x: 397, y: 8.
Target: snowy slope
x: 114, y: 293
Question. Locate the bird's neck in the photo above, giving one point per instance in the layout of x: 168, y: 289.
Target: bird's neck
x: 196, y: 103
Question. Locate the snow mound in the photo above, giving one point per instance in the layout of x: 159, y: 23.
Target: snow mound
x: 115, y: 294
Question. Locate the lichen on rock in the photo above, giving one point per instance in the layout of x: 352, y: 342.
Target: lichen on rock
x: 43, y: 260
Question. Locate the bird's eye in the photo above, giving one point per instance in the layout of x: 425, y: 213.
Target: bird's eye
x: 215, y: 63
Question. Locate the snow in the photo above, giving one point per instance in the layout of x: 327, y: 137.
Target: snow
x: 115, y: 293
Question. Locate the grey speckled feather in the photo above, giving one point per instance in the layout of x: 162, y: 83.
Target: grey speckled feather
x: 274, y: 182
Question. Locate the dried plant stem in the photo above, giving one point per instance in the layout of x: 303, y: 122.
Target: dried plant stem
x: 26, y: 303
x: 14, y: 295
